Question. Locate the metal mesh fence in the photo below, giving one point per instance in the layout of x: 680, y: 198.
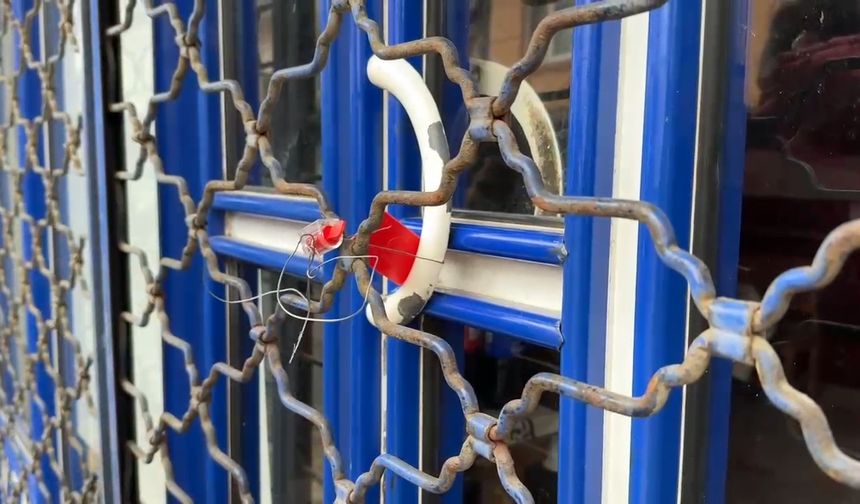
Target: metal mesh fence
x: 736, y: 327
x: 44, y: 374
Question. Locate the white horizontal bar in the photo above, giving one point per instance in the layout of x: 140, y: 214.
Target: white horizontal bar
x: 523, y: 285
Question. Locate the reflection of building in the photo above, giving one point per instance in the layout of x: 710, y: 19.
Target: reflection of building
x: 510, y: 24
x: 499, y: 35
x: 761, y: 14
x: 501, y: 30
x: 802, y: 90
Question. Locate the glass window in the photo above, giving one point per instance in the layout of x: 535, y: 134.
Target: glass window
x: 801, y: 181
x: 498, y: 368
x: 499, y: 35
x: 286, y: 36
x: 293, y: 455
x: 559, y: 47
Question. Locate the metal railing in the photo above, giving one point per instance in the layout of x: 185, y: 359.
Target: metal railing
x: 44, y: 376
x: 736, y: 327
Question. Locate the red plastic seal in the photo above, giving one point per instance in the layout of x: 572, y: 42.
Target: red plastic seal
x: 322, y: 236
x: 393, y: 246
x: 396, y: 247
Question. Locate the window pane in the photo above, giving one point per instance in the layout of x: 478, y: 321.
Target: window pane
x: 800, y: 181
x: 293, y: 456
x: 286, y: 36
x: 498, y: 368
x: 499, y: 36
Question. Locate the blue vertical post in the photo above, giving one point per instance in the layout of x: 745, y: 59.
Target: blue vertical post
x: 405, y: 22
x: 192, y: 119
x: 352, y: 176
x: 728, y: 248
x: 334, y: 102
x: 591, y: 146
x: 667, y: 181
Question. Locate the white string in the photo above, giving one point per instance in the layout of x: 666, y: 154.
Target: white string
x: 341, y: 319
x: 301, y: 295
x: 263, y: 294
x: 306, y: 318
x: 310, y: 273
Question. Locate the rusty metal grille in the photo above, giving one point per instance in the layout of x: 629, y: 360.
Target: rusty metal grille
x: 736, y: 327
x: 44, y: 374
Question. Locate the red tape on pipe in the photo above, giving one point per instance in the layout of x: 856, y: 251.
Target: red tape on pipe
x: 396, y: 247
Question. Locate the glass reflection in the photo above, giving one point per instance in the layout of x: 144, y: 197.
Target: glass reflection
x: 801, y: 180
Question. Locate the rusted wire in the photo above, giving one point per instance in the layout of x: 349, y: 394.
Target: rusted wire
x: 735, y: 326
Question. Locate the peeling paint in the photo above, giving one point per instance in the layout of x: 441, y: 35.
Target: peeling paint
x: 410, y: 306
x: 438, y: 141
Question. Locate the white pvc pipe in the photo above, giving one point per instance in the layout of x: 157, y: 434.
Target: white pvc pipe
x: 400, y: 79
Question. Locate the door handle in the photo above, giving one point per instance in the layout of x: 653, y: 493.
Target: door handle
x: 404, y: 82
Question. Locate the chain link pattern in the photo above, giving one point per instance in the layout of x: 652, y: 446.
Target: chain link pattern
x: 736, y: 327
x: 41, y: 263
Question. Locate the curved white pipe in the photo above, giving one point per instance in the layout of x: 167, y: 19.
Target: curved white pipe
x: 400, y: 79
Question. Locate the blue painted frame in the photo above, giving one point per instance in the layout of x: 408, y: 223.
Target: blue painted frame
x: 102, y: 248
x: 351, y: 141
x: 541, y: 246
x: 403, y: 360
x: 31, y: 102
x: 544, y: 247
x: 200, y: 320
x: 238, y: 34
x: 345, y: 77
x: 591, y: 151
x: 351, y: 356
x: 667, y: 181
